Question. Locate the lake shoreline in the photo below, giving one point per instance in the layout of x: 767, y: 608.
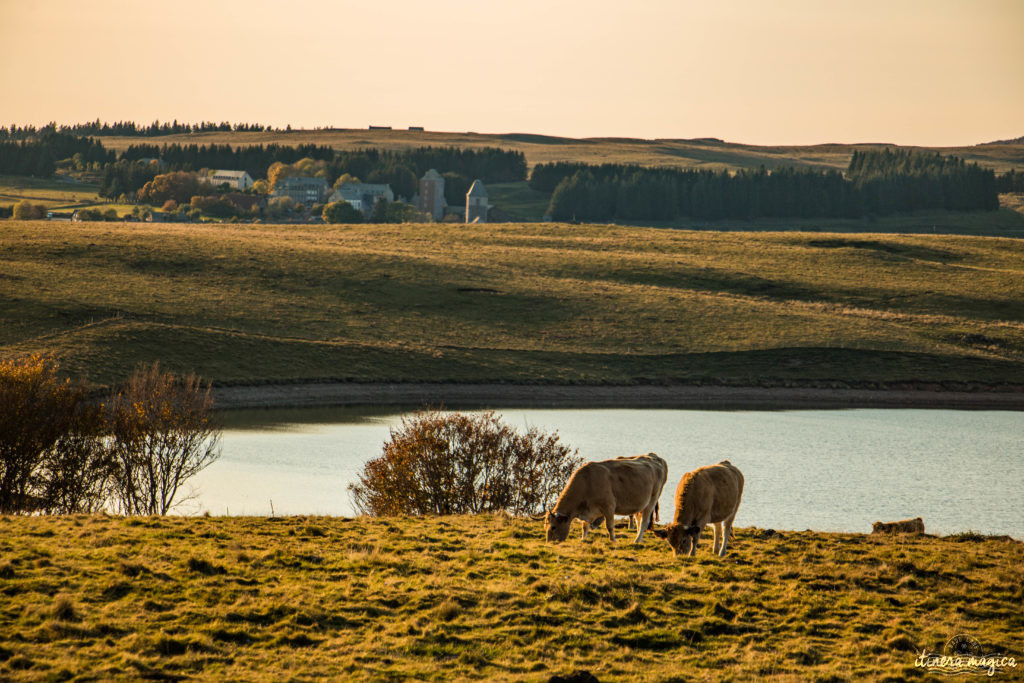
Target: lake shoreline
x: 455, y: 395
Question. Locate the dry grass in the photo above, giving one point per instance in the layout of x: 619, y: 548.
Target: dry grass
x: 483, y: 598
x: 242, y: 303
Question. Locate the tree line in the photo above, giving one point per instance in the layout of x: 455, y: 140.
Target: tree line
x: 877, y: 182
x: 130, y: 129
x: 38, y: 156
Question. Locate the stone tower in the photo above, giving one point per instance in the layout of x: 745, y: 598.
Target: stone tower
x: 476, y: 203
x: 432, y: 195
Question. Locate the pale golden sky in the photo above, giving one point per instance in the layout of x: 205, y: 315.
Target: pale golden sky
x: 928, y: 72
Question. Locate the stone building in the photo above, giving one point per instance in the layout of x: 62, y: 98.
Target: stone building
x: 362, y: 196
x: 431, y: 195
x: 476, y: 203
x: 304, y: 190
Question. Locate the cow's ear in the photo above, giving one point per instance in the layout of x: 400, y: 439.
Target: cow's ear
x: 660, y: 533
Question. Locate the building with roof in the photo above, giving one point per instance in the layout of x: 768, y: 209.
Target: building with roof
x: 238, y: 180
x: 476, y: 203
x: 362, y: 196
x: 303, y: 190
x: 431, y: 195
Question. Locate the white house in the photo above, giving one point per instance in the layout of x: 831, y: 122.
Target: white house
x: 239, y: 180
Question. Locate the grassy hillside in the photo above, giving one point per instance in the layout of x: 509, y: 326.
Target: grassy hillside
x: 55, y: 194
x: 484, y: 598
x: 704, y: 153
x: 507, y: 302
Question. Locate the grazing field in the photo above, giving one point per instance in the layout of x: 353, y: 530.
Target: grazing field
x: 513, y: 303
x: 53, y: 194
x: 484, y: 598
x: 697, y: 153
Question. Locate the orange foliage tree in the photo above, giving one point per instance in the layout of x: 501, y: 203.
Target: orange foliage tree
x: 52, y: 457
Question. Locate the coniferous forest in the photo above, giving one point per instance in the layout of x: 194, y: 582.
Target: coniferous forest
x: 877, y: 182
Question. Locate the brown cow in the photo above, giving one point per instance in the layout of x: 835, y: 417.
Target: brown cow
x: 624, y: 486
x: 708, y: 495
x: 904, y: 526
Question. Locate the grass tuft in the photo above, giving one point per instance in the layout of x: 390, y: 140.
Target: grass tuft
x: 64, y: 609
x: 205, y: 567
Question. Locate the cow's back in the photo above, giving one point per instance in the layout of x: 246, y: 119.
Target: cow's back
x: 713, y: 490
x: 635, y: 481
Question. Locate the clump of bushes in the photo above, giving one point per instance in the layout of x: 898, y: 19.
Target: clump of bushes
x: 62, y: 452
x: 26, y: 211
x: 455, y: 463
x: 97, y: 214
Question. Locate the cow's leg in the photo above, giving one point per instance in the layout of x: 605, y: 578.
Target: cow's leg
x: 586, y: 527
x: 719, y: 540
x: 609, y: 523
x: 643, y: 520
x: 728, y: 533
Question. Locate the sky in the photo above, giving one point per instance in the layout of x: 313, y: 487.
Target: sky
x: 915, y: 72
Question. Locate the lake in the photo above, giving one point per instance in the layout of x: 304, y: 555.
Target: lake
x: 830, y: 470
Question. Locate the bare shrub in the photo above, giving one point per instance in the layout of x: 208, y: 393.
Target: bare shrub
x: 162, y: 433
x: 454, y: 463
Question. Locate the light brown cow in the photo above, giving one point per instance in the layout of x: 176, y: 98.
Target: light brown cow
x: 623, y: 486
x: 904, y: 526
x: 707, y: 495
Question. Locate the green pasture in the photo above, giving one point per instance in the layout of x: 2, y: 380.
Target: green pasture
x: 54, y: 194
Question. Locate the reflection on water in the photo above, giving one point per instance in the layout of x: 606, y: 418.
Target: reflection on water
x: 826, y: 470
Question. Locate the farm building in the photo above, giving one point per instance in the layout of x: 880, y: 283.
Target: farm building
x: 304, y: 190
x: 476, y: 203
x: 362, y: 195
x: 238, y: 180
x: 431, y: 196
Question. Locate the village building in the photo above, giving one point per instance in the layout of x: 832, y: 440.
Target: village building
x: 362, y: 196
x: 238, y: 180
x: 431, y: 195
x: 476, y: 203
x: 303, y: 190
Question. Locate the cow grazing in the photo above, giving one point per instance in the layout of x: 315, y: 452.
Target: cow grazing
x: 904, y: 526
x: 707, y: 495
x: 603, y: 489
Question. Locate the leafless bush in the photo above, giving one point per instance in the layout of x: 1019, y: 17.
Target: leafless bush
x: 438, y: 463
x: 162, y: 433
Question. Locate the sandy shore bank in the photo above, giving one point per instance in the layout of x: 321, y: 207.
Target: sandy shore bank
x: 642, y: 396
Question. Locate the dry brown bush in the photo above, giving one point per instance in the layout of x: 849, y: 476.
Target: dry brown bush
x: 455, y: 463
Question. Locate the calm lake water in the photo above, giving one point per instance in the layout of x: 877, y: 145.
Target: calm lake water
x: 837, y: 470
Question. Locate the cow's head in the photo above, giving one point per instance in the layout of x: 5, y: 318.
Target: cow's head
x: 682, y: 537
x: 556, y: 526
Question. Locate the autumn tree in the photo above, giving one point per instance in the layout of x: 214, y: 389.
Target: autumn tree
x: 52, y: 457
x: 179, y: 186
